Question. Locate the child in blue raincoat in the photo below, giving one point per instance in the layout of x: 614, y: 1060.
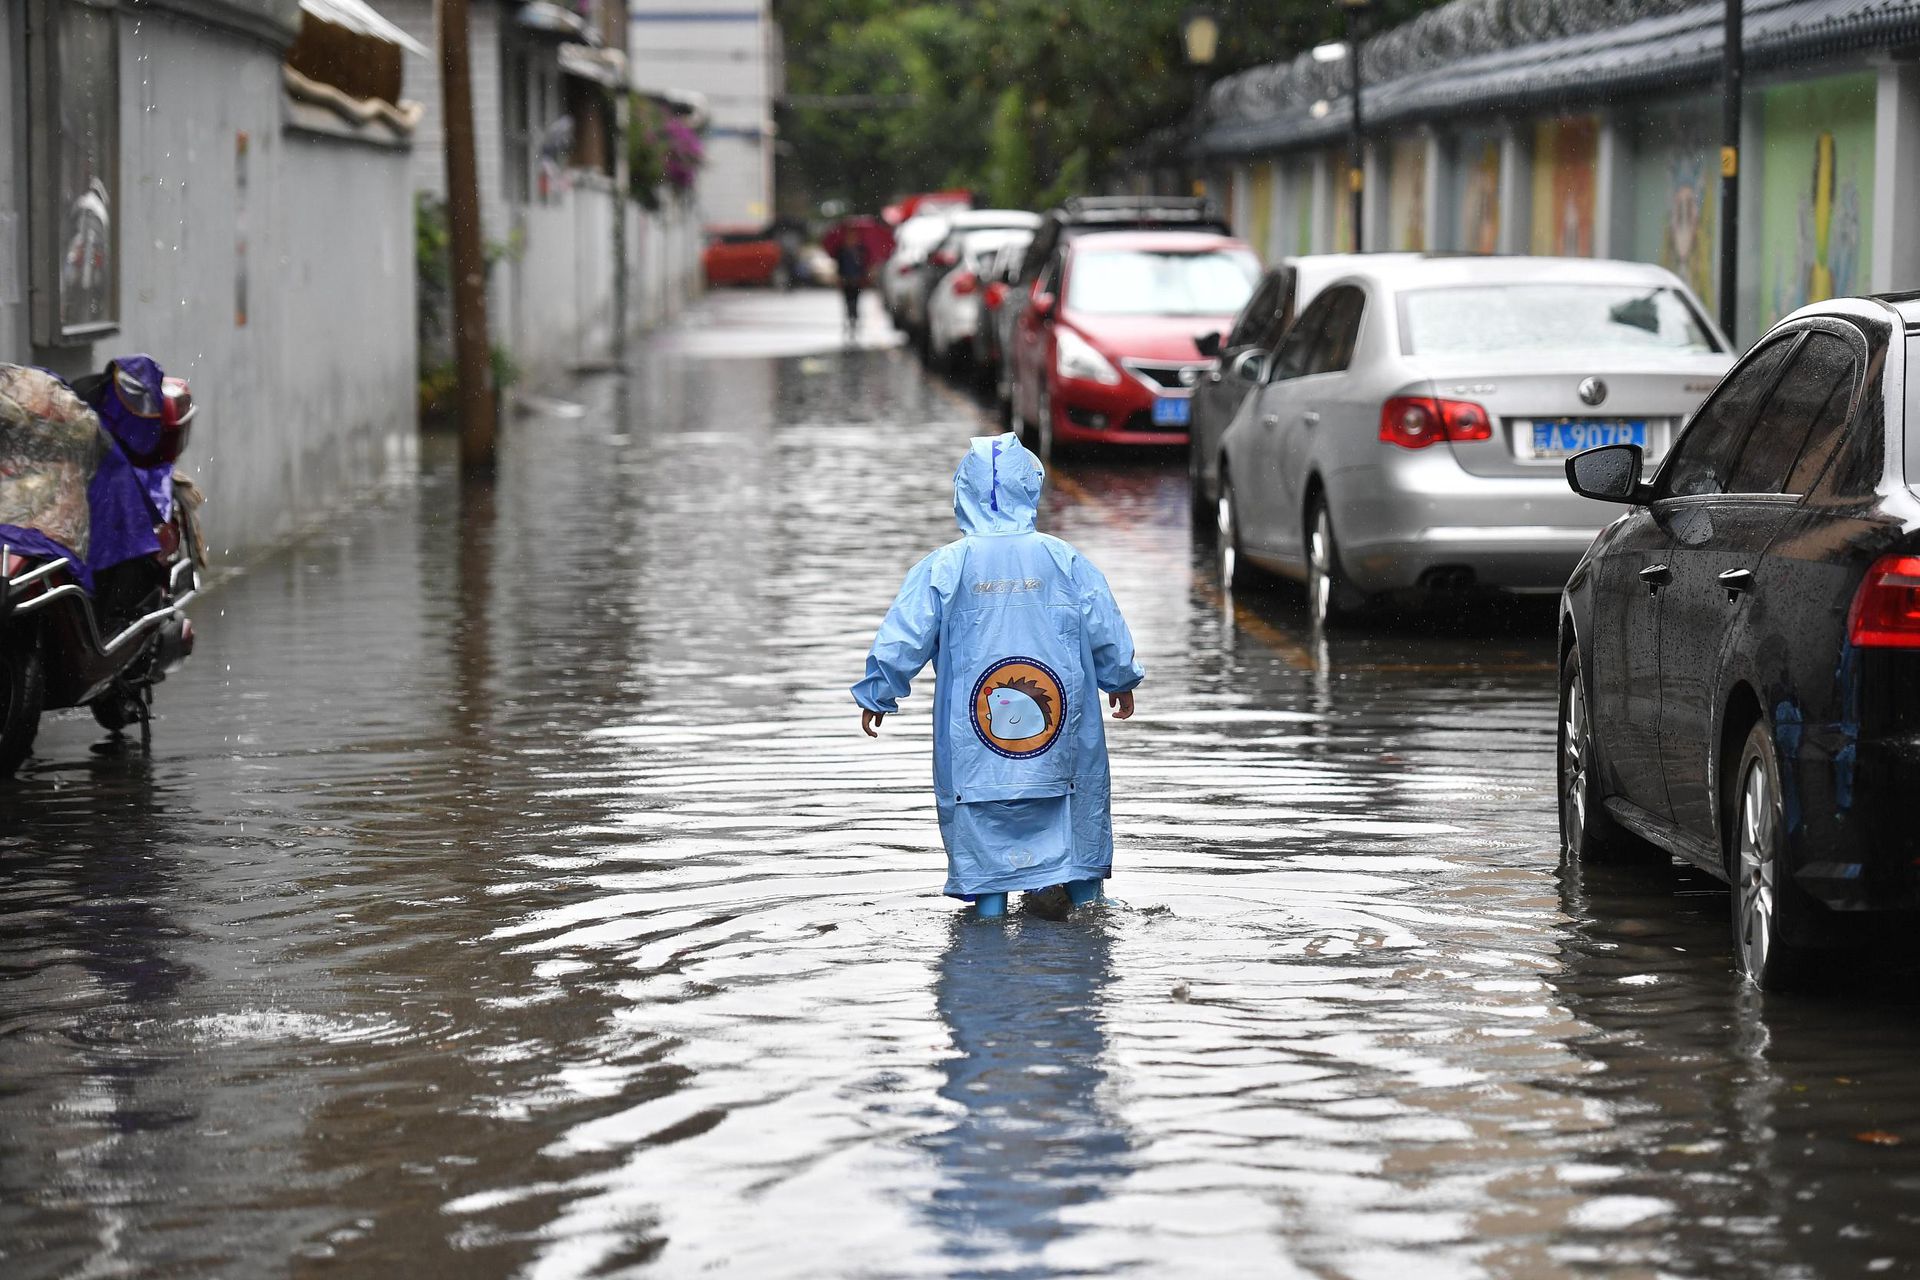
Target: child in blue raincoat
x: 1024, y: 636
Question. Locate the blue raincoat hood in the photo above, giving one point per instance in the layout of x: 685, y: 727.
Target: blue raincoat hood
x: 997, y: 488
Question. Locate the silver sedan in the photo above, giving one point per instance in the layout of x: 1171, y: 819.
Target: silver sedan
x: 1409, y: 433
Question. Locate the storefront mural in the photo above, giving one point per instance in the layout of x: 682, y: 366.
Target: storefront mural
x: 1817, y: 192
x: 1407, y: 194
x: 1477, y: 211
x: 1565, y: 154
x: 1676, y: 193
x: 1295, y: 200
x: 1340, y: 192
x: 1258, y: 226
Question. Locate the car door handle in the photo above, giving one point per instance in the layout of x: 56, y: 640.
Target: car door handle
x: 1311, y: 418
x: 1737, y: 582
x: 1269, y: 419
x: 1656, y: 576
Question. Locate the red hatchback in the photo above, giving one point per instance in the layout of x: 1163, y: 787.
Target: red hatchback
x: 1103, y: 350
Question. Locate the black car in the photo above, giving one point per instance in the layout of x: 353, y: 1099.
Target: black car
x: 1740, y: 651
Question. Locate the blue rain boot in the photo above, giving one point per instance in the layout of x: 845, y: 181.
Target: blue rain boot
x: 1081, y: 892
x: 990, y: 906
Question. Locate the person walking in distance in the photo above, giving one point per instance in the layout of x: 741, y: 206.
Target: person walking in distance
x: 850, y: 261
x: 1025, y: 637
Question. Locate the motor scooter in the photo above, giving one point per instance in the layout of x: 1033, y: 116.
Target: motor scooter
x: 99, y: 637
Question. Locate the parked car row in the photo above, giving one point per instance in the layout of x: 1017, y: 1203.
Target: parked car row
x: 1085, y: 321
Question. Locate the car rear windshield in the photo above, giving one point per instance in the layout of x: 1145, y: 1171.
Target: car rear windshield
x: 1506, y: 318
x: 1145, y: 282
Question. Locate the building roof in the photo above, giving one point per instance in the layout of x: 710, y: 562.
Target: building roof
x: 1486, y: 56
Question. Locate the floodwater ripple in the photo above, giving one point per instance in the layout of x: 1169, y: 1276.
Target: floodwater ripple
x: 510, y: 893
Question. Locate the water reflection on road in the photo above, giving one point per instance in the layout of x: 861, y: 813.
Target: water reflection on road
x: 510, y: 893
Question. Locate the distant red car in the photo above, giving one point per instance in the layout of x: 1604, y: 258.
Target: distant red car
x: 1102, y: 350
x: 745, y: 255
x: 925, y: 202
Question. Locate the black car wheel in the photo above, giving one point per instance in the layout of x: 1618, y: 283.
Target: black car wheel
x: 22, y: 692
x: 1587, y: 834
x: 1236, y: 574
x: 1043, y: 430
x: 1203, y: 505
x: 1331, y: 599
x: 1769, y: 910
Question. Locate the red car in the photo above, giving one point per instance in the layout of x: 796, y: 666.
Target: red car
x: 745, y: 255
x: 1103, y: 351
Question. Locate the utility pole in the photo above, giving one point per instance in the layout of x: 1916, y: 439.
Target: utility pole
x: 1352, y: 11
x: 1733, y: 65
x: 473, y: 364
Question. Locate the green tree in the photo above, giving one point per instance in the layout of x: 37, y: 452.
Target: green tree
x: 1009, y: 182
x: 967, y: 93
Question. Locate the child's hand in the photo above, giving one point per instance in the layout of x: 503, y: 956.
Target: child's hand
x: 870, y: 720
x: 1122, y: 704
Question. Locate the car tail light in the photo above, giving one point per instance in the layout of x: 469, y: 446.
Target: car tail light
x: 1414, y: 422
x: 904, y: 269
x: 965, y: 282
x: 1886, y: 610
x: 996, y: 293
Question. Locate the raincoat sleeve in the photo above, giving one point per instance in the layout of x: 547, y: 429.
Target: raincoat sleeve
x: 906, y: 641
x: 1115, y: 669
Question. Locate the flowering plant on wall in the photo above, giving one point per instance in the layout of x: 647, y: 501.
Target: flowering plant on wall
x: 685, y: 154
x: 662, y: 151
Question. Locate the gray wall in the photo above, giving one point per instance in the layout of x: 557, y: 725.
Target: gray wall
x: 313, y: 395
x: 13, y: 185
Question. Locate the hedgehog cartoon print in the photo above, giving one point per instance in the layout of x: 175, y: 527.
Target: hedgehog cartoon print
x: 1025, y: 639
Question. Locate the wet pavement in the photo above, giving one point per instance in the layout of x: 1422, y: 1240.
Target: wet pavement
x: 511, y: 893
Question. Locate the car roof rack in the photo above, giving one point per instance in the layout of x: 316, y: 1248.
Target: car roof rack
x: 1078, y: 214
x: 1133, y: 209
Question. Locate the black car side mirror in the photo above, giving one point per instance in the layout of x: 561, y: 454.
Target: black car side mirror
x: 1610, y: 473
x: 1208, y: 345
x: 1251, y: 366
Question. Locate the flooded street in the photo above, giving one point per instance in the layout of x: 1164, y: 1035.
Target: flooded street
x: 510, y: 892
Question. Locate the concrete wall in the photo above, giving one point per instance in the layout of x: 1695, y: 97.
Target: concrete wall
x: 13, y: 184
x: 308, y: 394
x: 551, y: 292
x: 728, y: 51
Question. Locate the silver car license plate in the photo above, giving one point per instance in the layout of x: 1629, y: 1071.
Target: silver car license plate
x: 1564, y: 437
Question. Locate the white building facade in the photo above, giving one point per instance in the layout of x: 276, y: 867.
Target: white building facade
x: 728, y: 52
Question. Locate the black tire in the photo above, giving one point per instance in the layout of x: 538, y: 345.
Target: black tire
x: 23, y: 692
x: 1202, y: 506
x: 1332, y: 600
x: 1771, y: 914
x: 1587, y: 833
x: 1043, y: 444
x: 1236, y: 572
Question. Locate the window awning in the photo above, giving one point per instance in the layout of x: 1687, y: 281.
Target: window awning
x: 550, y: 19
x: 606, y: 67
x: 362, y: 19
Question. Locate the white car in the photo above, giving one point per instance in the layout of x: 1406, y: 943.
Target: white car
x: 953, y: 312
x: 913, y: 240
x: 1410, y: 433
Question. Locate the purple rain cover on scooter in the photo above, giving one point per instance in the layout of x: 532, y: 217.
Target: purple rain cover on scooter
x: 128, y: 500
